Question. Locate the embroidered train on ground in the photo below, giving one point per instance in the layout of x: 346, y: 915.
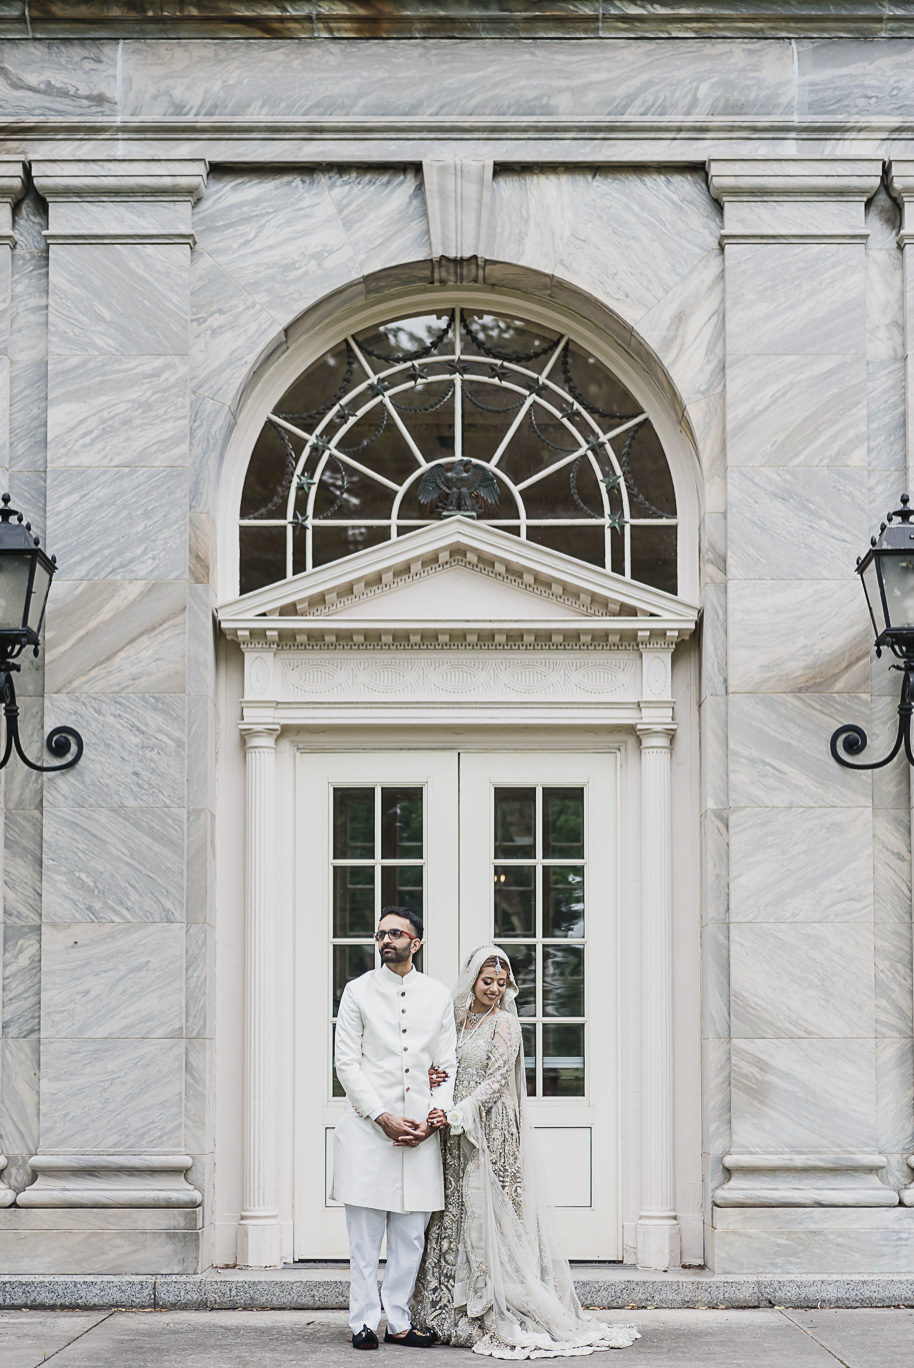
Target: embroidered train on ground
x: 544, y: 677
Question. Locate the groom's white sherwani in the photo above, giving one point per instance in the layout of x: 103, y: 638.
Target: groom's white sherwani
x: 390, y: 1030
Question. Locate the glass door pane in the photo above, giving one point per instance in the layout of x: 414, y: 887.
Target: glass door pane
x: 377, y: 861
x: 539, y: 872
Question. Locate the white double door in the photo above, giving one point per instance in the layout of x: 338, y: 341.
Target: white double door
x: 519, y: 848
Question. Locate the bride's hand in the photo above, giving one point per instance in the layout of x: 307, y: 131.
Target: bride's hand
x: 437, y: 1118
x: 436, y: 1077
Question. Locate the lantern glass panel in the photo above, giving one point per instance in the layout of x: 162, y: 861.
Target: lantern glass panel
x: 14, y: 588
x: 40, y: 586
x: 898, y: 579
x: 870, y: 576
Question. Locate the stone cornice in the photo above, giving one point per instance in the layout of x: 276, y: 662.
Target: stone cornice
x: 793, y: 199
x: 392, y: 19
x: 181, y: 179
x: 788, y: 178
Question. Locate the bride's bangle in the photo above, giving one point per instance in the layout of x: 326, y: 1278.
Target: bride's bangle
x: 455, y: 1121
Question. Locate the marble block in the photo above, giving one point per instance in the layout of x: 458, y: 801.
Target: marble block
x: 29, y: 307
x: 112, y: 980
x: 895, y: 1100
x: 686, y: 330
x: 251, y: 227
x: 779, y: 751
x: 715, y: 866
x: 100, y: 861
x: 230, y: 333
x: 884, y: 305
x: 894, y: 979
x: 892, y: 865
x: 827, y: 649
x: 144, y: 532
x: 885, y: 418
x: 19, y: 1068
x: 22, y: 867
x: 21, y: 965
x: 118, y: 298
x: 112, y: 1096
x: 117, y: 636
x: 809, y: 1242
x: 118, y: 411
x: 772, y: 879
x: 796, y: 410
x: 808, y: 1096
x: 801, y: 979
x: 534, y: 210
x: 382, y: 210
x: 607, y: 251
x: 795, y: 299
x: 134, y: 754
x: 775, y: 534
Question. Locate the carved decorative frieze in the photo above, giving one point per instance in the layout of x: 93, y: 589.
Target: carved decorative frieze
x: 346, y: 677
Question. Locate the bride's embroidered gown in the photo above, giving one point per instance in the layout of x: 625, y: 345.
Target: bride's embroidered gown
x: 492, y: 1276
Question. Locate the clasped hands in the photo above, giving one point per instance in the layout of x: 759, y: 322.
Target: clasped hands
x: 406, y: 1133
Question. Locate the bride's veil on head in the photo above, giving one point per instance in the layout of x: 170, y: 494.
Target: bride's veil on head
x: 462, y: 996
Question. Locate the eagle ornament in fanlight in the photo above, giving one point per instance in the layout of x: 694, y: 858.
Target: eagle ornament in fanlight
x: 459, y: 491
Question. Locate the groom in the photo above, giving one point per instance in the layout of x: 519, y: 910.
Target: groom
x: 393, y: 1024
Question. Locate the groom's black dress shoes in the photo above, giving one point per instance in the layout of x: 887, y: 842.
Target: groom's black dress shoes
x: 365, y: 1339
x: 413, y: 1339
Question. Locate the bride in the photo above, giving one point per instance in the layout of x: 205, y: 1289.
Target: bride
x: 493, y: 1276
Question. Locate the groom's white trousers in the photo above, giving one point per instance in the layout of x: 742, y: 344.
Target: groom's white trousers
x: 405, y: 1243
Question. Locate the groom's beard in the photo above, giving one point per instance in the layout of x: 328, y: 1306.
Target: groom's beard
x: 393, y: 954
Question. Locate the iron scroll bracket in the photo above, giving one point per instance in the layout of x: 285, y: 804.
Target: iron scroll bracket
x: 853, y: 739
x: 60, y: 740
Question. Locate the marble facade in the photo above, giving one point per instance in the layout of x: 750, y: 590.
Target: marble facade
x: 731, y: 214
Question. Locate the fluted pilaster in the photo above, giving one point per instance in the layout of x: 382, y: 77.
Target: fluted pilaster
x: 259, y: 1229
x: 658, y: 1229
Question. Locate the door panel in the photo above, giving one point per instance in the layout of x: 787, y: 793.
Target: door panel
x: 539, y: 876
x: 372, y: 829
x: 515, y: 848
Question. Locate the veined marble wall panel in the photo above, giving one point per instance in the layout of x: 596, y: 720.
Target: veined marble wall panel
x: 807, y: 312
x: 121, y: 981
x: 112, y: 1096
x: 115, y: 864
x: 625, y: 77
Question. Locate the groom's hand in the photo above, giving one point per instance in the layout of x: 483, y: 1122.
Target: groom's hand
x: 402, y: 1130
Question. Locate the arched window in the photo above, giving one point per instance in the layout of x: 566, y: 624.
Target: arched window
x: 449, y: 412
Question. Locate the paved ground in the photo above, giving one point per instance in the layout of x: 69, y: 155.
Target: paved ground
x: 775, y: 1338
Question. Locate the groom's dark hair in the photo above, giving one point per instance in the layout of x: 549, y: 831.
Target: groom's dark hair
x: 414, y: 920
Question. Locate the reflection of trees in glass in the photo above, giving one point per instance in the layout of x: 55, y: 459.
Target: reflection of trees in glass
x: 358, y: 425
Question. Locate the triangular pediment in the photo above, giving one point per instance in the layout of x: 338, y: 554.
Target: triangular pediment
x: 455, y: 573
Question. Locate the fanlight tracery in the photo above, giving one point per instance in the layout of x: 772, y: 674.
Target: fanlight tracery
x: 458, y: 413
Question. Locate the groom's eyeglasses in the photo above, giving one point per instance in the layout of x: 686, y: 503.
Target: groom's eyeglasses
x: 394, y: 935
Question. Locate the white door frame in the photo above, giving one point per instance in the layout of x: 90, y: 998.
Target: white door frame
x: 310, y: 669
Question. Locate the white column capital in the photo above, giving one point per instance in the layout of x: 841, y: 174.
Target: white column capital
x: 131, y: 200
x: 793, y: 199
x: 259, y: 736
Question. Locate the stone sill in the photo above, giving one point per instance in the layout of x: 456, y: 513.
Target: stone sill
x: 393, y: 19
x: 326, y: 1287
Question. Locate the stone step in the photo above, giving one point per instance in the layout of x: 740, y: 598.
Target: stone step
x: 326, y: 1287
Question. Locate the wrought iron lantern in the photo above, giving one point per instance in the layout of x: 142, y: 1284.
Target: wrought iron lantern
x: 26, y: 571
x: 887, y: 575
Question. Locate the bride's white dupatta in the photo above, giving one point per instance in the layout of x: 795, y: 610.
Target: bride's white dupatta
x: 511, y: 1272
